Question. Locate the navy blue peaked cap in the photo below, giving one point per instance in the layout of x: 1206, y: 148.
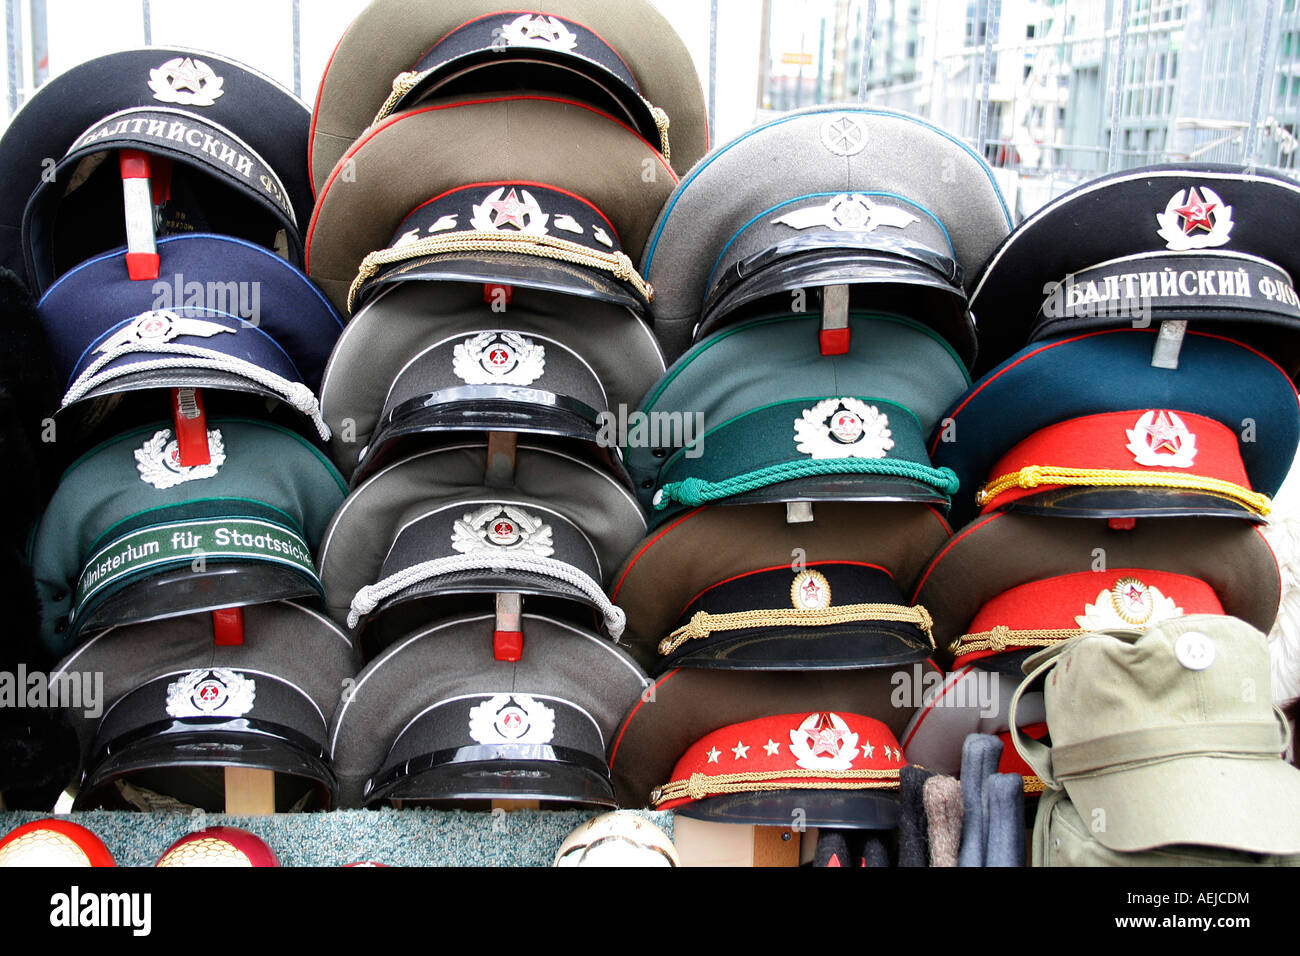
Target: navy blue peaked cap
x: 221, y: 311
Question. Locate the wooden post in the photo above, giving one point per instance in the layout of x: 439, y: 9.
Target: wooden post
x: 703, y: 843
x: 776, y: 846
x: 500, y: 466
x: 250, y: 792
x: 512, y: 805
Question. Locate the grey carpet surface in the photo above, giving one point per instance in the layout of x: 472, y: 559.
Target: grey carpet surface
x: 407, y: 837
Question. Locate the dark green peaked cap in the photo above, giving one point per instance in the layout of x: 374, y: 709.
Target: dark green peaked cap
x: 131, y: 535
x: 757, y: 410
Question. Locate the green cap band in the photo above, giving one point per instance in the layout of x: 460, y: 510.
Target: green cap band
x: 185, y: 542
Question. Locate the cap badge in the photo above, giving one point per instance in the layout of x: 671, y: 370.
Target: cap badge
x: 567, y: 223
x: 848, y: 212
x: 1194, y: 219
x: 1160, y: 438
x: 843, y: 135
x: 160, y: 326
x: 498, y: 358
x: 500, y: 209
x: 1129, y: 603
x: 442, y: 224
x: 824, y: 742
x: 536, y: 29
x: 186, y: 81
x: 159, y: 460
x: 511, y: 719
x: 843, y: 428
x: 214, y: 692
x: 810, y: 591
x: 502, y: 527
x: 1194, y: 650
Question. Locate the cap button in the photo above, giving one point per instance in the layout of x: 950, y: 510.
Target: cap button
x: 1194, y: 650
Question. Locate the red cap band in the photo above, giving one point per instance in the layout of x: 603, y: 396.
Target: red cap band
x: 820, y: 747
x: 1091, y: 601
x: 1155, y: 440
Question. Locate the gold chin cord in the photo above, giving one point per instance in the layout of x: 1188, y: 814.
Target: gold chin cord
x: 617, y: 264
x: 1035, y: 476
x: 699, y: 785
x: 702, y: 623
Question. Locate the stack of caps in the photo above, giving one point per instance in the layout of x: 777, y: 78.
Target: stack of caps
x: 487, y: 179
x: 815, y: 276
x: 176, y: 555
x: 1118, y: 456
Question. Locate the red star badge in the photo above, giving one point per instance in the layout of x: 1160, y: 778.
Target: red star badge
x: 509, y: 210
x: 1196, y: 212
x: 1164, y: 436
x: 187, y: 77
x: 824, y: 739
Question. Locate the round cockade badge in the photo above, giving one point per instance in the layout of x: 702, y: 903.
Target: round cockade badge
x: 1194, y: 650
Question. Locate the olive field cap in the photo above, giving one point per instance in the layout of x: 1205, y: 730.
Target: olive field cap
x: 626, y: 59
x: 1154, y: 740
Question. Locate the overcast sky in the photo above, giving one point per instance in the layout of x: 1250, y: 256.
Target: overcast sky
x: 259, y: 32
